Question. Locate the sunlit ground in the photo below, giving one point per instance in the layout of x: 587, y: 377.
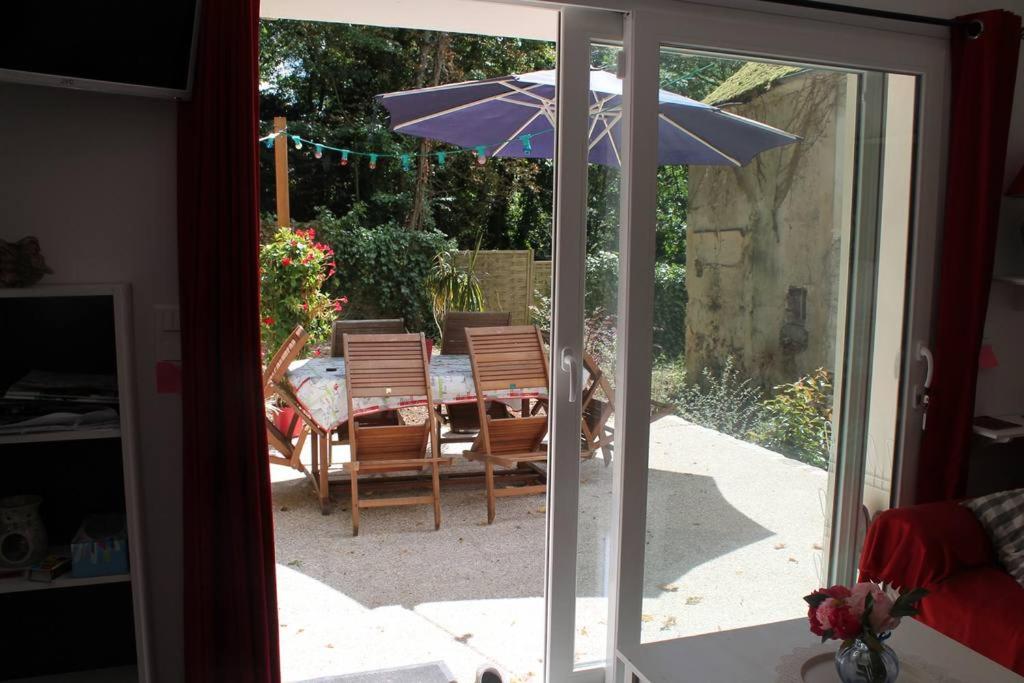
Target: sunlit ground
x: 734, y: 537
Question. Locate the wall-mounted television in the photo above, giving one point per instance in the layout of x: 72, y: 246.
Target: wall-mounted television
x: 134, y: 47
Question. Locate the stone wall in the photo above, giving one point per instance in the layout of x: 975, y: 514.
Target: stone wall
x: 763, y: 241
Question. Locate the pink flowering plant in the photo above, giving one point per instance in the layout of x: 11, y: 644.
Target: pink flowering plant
x: 293, y: 270
x: 866, y: 612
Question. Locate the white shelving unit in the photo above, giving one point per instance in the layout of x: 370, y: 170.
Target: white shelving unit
x: 66, y: 435
x: 21, y: 445
x: 23, y: 585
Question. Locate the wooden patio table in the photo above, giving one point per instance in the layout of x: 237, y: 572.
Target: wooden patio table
x: 319, y: 385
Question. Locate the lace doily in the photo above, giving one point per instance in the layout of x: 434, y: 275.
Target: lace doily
x: 913, y: 669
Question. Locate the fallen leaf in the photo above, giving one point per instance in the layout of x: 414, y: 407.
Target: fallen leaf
x: 669, y: 587
x: 329, y: 645
x: 668, y: 623
x: 295, y: 563
x: 583, y: 631
x: 299, y: 631
x: 464, y: 638
x: 284, y: 508
x: 794, y: 560
x: 694, y: 600
x: 646, y: 618
x: 816, y: 546
x: 779, y: 546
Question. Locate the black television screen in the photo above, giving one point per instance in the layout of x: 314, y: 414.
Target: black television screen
x: 138, y: 47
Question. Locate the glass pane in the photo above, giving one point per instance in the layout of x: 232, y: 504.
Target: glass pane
x: 751, y: 294
x: 600, y: 303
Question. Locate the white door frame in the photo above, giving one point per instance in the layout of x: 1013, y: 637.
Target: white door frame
x: 768, y: 36
x: 578, y: 29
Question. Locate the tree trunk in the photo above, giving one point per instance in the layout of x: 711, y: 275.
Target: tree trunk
x: 442, y: 42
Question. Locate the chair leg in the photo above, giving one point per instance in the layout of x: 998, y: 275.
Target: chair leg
x: 436, y: 476
x: 324, y: 453
x: 489, y: 477
x: 355, y: 503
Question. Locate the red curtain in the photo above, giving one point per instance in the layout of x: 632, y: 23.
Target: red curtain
x: 984, y: 71
x: 230, y: 599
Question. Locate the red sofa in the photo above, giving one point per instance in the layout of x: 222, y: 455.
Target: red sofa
x: 943, y: 547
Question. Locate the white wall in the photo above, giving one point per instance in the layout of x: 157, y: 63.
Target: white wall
x: 93, y: 177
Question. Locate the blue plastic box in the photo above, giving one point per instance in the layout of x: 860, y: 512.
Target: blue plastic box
x: 100, y: 548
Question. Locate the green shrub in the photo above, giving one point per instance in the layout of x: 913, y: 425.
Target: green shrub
x: 602, y: 284
x: 293, y: 270
x: 385, y: 269
x: 797, y: 419
x: 721, y: 400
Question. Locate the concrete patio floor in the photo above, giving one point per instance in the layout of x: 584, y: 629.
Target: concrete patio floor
x: 733, y: 540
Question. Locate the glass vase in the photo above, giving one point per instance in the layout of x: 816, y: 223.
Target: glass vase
x: 857, y: 663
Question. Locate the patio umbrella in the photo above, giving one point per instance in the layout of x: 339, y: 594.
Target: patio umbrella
x: 514, y: 116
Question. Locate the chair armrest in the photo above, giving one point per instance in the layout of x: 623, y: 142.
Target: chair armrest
x: 921, y: 545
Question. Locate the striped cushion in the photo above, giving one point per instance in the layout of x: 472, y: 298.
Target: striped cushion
x: 1002, y: 515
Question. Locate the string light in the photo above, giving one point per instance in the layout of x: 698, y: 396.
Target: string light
x: 527, y: 144
x: 479, y: 152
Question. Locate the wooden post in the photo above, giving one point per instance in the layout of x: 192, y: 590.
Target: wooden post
x: 281, y: 172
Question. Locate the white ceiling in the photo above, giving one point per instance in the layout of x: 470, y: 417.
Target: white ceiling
x: 457, y: 16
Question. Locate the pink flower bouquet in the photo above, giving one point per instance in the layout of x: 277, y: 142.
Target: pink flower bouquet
x: 868, y: 611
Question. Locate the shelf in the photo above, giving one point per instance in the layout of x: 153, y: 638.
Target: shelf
x: 1011, y: 279
x: 121, y: 674
x: 63, y: 435
x: 23, y: 585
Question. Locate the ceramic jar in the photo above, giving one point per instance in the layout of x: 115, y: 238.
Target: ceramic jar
x: 22, y: 534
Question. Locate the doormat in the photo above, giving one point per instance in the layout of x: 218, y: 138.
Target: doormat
x: 434, y: 672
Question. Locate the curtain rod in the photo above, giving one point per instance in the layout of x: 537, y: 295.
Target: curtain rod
x: 974, y: 27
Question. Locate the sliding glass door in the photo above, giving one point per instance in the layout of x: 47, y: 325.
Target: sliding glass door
x: 743, y: 262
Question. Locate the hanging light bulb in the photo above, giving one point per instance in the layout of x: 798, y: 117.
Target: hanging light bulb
x: 318, y: 151
x: 298, y: 141
x: 440, y: 159
x: 373, y: 161
x: 344, y: 157
x: 481, y: 155
x: 405, y: 162
x: 527, y: 143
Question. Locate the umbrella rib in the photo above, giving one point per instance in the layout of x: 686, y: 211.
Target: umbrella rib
x: 758, y: 124
x: 699, y: 139
x: 516, y: 134
x: 467, y: 105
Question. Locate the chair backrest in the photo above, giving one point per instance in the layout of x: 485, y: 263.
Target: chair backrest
x: 453, y: 340
x: 282, y: 358
x: 507, y: 358
x: 342, y: 327
x: 380, y: 366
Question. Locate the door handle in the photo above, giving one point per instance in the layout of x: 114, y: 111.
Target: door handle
x: 570, y: 363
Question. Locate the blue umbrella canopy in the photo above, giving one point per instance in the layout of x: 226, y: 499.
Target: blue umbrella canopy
x: 514, y: 116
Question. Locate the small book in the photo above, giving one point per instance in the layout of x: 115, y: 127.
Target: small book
x: 49, y: 568
x: 989, y: 422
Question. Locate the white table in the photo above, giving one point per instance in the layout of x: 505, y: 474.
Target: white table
x: 765, y: 654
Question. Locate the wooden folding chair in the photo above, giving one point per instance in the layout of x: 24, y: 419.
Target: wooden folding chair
x: 597, y: 406
x: 274, y: 386
x: 462, y: 417
x: 342, y: 327
x: 507, y: 358
x: 380, y: 366
x: 338, y: 331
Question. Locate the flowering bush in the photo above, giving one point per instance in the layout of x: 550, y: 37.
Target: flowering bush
x: 868, y: 611
x: 293, y: 270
